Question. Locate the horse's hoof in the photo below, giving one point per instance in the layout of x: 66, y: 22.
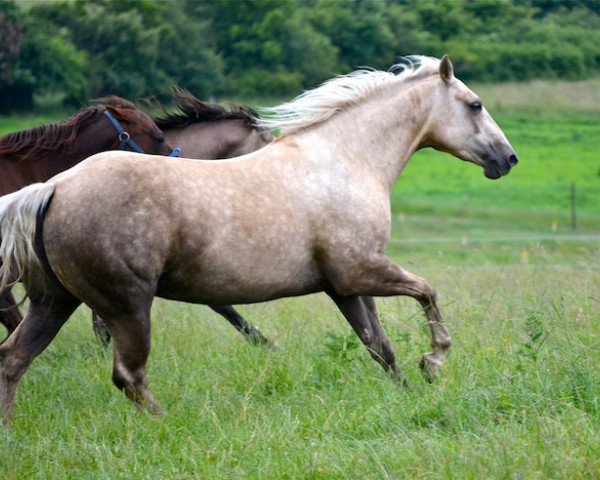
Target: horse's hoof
x: 258, y: 339
x: 429, y: 365
x: 399, y: 378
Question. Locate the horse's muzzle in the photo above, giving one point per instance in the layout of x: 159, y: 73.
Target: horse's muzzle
x: 496, y: 167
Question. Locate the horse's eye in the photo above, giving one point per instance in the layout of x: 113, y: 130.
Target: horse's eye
x: 476, y: 106
x: 160, y: 139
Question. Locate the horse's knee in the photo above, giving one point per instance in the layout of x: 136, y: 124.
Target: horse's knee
x: 119, y: 379
x: 12, y: 368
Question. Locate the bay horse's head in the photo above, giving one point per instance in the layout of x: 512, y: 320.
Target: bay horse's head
x: 87, y: 132
x: 137, y: 126
x: 464, y: 128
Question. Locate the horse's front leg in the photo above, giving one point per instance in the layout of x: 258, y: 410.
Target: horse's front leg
x: 378, y: 276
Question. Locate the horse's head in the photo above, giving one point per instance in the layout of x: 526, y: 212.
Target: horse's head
x: 138, y: 126
x: 464, y: 128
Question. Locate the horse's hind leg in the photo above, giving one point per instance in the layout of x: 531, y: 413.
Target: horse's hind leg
x: 362, y: 316
x: 44, y: 318
x: 100, y: 330
x: 249, y: 331
x: 10, y: 316
x: 131, y: 344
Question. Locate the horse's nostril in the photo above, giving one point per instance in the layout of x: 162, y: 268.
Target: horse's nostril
x: 513, y: 160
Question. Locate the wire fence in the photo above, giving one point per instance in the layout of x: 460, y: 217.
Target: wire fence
x: 464, y: 240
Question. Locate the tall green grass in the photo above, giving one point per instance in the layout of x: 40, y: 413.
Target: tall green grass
x: 519, y: 397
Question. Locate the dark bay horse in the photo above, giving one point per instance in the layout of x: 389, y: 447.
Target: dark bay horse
x: 308, y: 213
x: 209, y: 131
x: 37, y: 154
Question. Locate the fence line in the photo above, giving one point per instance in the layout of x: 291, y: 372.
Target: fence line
x: 464, y: 240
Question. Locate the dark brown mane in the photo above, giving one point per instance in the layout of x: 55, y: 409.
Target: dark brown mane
x: 35, y: 142
x: 191, y: 110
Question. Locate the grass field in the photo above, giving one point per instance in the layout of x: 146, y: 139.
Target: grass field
x: 518, y: 399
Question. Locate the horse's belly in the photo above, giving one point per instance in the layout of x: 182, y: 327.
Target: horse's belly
x: 235, y: 280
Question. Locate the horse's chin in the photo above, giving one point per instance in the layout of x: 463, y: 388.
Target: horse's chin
x: 496, y: 166
x: 493, y: 172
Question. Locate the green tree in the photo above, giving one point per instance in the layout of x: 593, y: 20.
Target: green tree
x: 54, y: 65
x: 74, y: 49
x: 37, y: 60
x: 187, y: 50
x: 122, y: 51
x: 268, y: 46
x: 10, y: 40
x: 14, y: 86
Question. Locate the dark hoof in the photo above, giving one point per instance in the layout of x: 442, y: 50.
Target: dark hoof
x: 429, y: 366
x: 399, y: 378
x: 257, y: 338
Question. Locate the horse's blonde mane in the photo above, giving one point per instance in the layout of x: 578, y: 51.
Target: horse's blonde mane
x: 337, y: 94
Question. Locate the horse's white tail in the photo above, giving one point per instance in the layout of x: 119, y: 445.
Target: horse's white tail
x: 18, y: 218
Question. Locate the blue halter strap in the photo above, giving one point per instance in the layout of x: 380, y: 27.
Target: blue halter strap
x: 124, y: 137
x: 175, y: 153
x: 126, y: 140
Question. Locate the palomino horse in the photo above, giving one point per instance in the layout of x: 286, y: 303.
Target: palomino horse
x: 208, y: 131
x: 308, y: 213
x: 38, y: 154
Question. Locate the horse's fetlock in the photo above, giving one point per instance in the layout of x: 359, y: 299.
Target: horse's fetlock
x: 119, y: 379
x: 444, y: 343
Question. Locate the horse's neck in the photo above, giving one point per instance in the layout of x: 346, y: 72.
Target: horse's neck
x: 18, y: 173
x: 43, y: 166
x: 380, y: 133
x: 217, y: 139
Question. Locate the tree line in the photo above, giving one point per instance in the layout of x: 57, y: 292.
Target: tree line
x: 74, y: 50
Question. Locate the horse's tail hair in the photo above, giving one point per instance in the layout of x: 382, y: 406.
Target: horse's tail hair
x: 18, y: 220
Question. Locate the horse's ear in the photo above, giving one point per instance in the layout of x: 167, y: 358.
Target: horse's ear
x: 446, y: 69
x: 118, y: 112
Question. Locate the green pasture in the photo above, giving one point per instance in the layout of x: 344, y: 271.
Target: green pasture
x: 518, y: 399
